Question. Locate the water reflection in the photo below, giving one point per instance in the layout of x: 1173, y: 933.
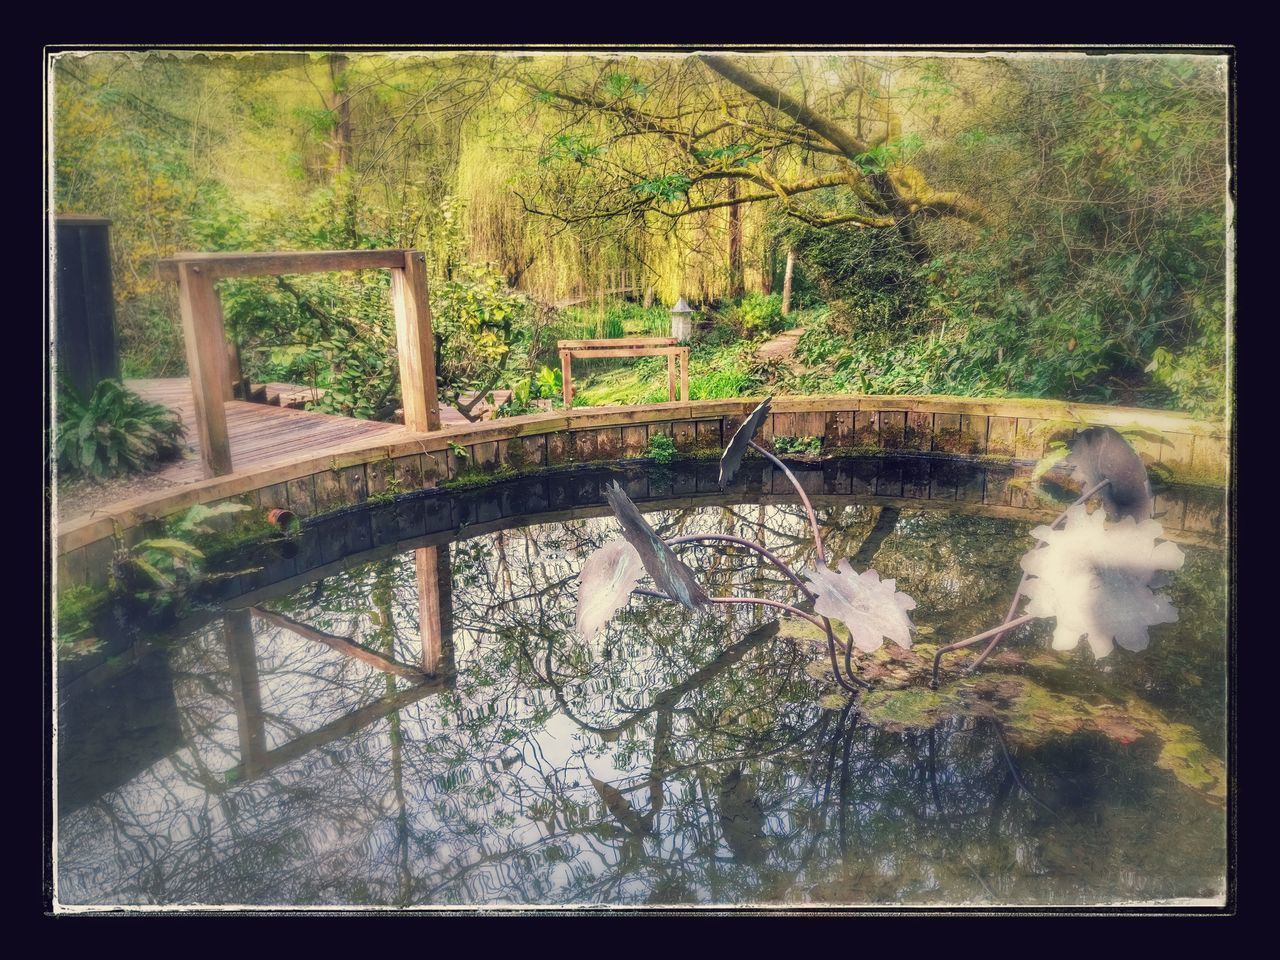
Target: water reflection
x: 677, y: 759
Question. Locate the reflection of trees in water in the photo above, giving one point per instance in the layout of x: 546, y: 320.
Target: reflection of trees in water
x: 679, y: 759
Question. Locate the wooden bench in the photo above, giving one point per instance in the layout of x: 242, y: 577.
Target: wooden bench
x: 627, y: 347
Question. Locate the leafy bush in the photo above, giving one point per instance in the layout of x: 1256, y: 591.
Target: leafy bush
x: 867, y: 277
x: 758, y: 314
x: 116, y: 432
x: 476, y: 318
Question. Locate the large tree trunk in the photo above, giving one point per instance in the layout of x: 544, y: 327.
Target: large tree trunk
x: 786, y: 281
x: 735, y: 244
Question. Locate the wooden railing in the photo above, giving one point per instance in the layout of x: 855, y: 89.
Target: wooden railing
x: 203, y: 328
x: 626, y: 347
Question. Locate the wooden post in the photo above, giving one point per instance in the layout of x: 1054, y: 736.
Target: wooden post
x: 566, y: 376
x: 415, y: 343
x: 242, y: 659
x: 684, y: 375
x: 207, y: 366
x: 432, y: 617
x: 235, y: 370
x: 671, y: 376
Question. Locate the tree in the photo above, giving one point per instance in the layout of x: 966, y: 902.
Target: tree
x: 821, y: 138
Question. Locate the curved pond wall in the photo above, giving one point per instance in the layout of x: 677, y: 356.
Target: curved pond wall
x: 992, y: 431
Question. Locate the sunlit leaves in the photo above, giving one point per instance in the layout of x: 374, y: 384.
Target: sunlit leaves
x: 621, y: 85
x: 872, y: 609
x: 671, y: 187
x: 569, y: 146
x: 731, y: 460
x: 1096, y: 578
x: 605, y: 585
x: 732, y: 155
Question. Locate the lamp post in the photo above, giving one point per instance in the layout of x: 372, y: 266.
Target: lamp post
x: 681, y: 320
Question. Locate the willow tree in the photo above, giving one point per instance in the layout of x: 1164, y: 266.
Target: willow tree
x: 821, y: 139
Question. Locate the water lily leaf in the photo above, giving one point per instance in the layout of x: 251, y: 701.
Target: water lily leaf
x: 606, y: 582
x: 672, y: 577
x: 872, y: 609
x: 1096, y: 580
x: 731, y: 459
x: 1100, y: 453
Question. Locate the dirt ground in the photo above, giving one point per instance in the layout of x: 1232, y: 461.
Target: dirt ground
x: 78, y: 497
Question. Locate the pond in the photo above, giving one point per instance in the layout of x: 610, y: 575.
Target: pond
x: 244, y: 756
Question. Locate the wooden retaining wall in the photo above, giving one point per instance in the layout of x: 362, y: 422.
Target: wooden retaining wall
x: 1009, y: 430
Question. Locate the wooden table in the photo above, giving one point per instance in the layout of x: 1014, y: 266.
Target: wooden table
x: 627, y: 347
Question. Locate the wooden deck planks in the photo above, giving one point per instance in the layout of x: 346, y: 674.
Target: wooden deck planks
x: 260, y: 434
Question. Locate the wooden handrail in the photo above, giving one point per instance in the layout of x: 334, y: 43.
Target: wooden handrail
x: 270, y: 263
x: 617, y: 341
x: 626, y: 347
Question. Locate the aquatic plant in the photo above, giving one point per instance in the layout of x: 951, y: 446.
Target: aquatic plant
x: 870, y: 606
x: 1095, y: 578
x: 1099, y: 579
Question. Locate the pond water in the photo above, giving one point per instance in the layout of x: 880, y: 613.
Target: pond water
x: 677, y: 759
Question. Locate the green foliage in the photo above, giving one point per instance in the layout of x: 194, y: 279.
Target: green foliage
x: 811, y: 446
x: 477, y: 320
x: 573, y: 147
x: 661, y: 448
x: 116, y: 432
x: 78, y: 608
x: 670, y: 187
x: 757, y: 315
x: 867, y: 277
x: 546, y: 384
x: 882, y: 157
x: 162, y: 564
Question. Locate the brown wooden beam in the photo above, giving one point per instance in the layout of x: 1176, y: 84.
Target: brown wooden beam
x: 415, y: 343
x: 343, y: 645
x: 277, y: 262
x: 206, y: 346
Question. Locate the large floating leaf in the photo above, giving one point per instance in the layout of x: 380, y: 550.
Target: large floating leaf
x: 672, y: 577
x: 731, y: 460
x: 1096, y: 580
x: 871, y: 608
x: 607, y: 579
x: 1100, y: 453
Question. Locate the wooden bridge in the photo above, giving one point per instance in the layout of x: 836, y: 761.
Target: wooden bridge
x: 258, y: 434
x: 228, y: 434
x: 261, y: 434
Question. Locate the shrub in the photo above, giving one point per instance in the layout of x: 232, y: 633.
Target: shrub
x: 116, y: 432
x: 758, y: 314
x: 661, y: 448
